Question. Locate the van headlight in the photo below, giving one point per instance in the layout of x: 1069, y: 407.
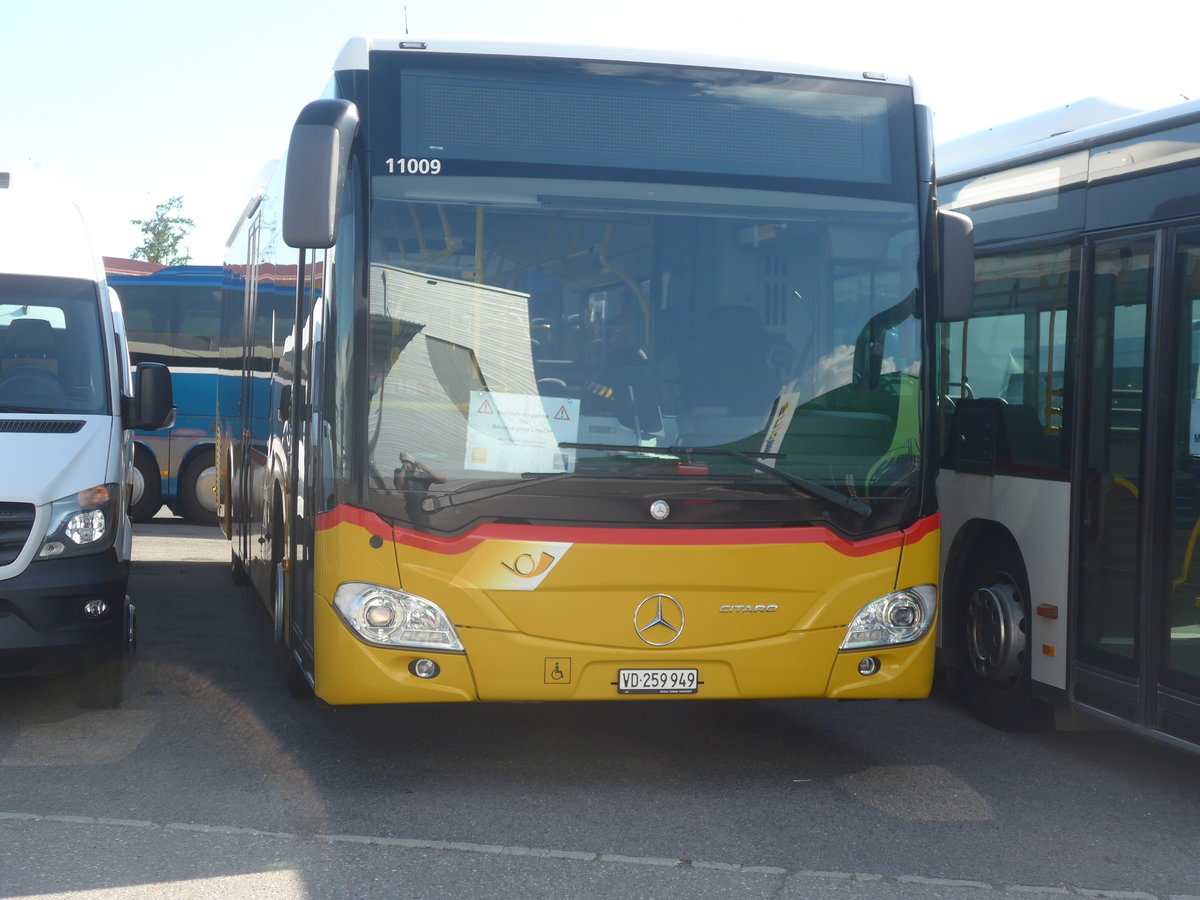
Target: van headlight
x: 82, y: 523
x: 898, y: 618
x: 392, y: 618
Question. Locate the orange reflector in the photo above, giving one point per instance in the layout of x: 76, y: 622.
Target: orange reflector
x: 1047, y: 649
x: 1046, y: 611
x: 94, y: 496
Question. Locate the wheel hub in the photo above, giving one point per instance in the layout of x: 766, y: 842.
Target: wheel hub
x: 137, y: 488
x: 996, y: 634
x: 206, y: 485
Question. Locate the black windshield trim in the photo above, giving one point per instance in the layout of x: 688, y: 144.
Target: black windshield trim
x: 750, y: 458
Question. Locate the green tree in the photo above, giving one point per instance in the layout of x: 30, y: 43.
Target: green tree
x: 163, y: 235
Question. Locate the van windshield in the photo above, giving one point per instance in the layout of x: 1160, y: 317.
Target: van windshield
x: 51, y: 347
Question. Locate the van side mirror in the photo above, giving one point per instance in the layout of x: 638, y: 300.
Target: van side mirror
x: 317, y: 157
x: 152, y: 405
x: 956, y: 248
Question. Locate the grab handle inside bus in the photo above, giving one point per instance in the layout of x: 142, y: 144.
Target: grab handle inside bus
x: 318, y: 155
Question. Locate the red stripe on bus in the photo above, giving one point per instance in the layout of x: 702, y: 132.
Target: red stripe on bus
x: 708, y: 537
x: 923, y: 528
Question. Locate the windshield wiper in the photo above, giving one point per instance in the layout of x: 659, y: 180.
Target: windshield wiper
x: 436, y: 502
x: 26, y: 409
x: 752, y: 459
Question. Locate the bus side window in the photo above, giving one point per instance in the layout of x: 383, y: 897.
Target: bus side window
x: 1012, y: 354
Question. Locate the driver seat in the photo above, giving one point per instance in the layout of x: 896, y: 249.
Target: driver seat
x: 29, y: 342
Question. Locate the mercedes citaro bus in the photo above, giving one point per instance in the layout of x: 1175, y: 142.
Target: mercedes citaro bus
x: 605, y: 376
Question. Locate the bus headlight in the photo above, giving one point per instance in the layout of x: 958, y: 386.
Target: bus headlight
x: 81, y: 523
x: 899, y: 618
x: 392, y: 618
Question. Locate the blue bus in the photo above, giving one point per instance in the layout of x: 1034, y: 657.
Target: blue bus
x: 173, y: 316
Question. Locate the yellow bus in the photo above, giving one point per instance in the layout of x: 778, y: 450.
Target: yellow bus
x: 563, y: 373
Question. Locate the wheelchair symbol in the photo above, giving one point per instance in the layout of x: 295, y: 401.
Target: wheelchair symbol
x: 558, y: 671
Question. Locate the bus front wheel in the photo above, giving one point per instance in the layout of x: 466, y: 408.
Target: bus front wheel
x: 995, y: 634
x: 295, y: 680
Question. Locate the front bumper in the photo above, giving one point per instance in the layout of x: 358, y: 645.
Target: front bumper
x: 509, y: 666
x: 43, y: 627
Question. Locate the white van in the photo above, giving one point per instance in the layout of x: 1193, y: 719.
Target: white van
x: 68, y: 404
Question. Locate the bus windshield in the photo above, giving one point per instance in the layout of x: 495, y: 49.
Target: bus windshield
x: 618, y: 332
x: 593, y: 280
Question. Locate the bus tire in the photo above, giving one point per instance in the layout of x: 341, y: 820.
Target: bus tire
x: 237, y: 569
x: 294, y: 679
x: 197, y: 501
x: 149, y: 497
x: 995, y: 640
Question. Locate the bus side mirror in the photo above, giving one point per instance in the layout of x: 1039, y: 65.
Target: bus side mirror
x: 152, y: 405
x: 956, y: 248
x: 318, y: 155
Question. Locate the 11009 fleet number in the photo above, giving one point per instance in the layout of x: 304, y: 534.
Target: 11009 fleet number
x: 406, y: 166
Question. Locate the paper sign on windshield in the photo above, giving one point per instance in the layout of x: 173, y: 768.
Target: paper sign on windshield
x: 521, y: 432
x: 780, y: 422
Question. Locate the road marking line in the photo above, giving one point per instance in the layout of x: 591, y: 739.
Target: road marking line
x: 1012, y: 890
x: 278, y: 883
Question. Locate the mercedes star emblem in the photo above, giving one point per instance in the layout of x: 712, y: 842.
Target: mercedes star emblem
x: 658, y: 620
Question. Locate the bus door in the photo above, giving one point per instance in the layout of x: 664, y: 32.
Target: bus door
x: 1136, y: 638
x: 244, y: 440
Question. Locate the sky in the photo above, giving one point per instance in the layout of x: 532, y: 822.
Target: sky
x: 130, y: 103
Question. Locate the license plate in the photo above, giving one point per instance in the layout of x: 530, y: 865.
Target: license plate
x: 657, y: 681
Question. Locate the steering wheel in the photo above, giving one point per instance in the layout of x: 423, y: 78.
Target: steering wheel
x: 31, y: 385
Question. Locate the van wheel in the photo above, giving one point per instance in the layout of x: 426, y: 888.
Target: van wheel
x: 103, y: 686
x: 197, y: 501
x: 995, y: 637
x: 148, y: 500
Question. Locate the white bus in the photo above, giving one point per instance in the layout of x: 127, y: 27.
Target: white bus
x: 1071, y: 488
x: 68, y: 404
x: 607, y: 382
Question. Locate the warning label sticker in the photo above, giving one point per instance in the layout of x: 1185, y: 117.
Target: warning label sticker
x: 521, y: 432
